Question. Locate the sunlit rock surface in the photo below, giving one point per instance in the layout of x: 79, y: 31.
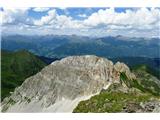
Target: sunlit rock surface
x: 60, y: 86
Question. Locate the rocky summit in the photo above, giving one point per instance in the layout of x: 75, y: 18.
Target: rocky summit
x: 60, y: 86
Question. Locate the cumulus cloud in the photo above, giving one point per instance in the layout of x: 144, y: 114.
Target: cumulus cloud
x: 103, y: 22
x: 14, y: 16
x: 142, y: 18
x: 46, y: 19
x: 56, y: 21
x: 41, y: 9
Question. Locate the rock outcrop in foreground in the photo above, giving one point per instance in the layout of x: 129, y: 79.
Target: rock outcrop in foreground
x: 60, y: 86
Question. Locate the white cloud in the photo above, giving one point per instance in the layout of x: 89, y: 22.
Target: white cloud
x: 141, y: 18
x: 40, y: 9
x: 56, y: 21
x: 15, y: 16
x: 139, y: 22
x: 46, y: 19
x: 82, y: 15
x: 63, y: 8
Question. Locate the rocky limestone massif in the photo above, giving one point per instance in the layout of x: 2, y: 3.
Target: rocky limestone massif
x: 60, y: 86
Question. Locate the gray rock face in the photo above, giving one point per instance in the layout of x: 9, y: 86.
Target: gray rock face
x: 68, y: 79
x: 147, y: 107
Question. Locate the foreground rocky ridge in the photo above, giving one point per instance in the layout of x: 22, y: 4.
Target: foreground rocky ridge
x: 119, y: 99
x: 139, y: 95
x: 60, y: 86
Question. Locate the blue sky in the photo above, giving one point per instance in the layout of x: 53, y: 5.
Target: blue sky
x: 139, y: 22
x: 73, y: 12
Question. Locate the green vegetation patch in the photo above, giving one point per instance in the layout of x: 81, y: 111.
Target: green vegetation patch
x: 15, y: 68
x: 111, y: 102
x: 124, y: 79
x: 116, y: 99
x: 142, y: 83
x: 145, y: 81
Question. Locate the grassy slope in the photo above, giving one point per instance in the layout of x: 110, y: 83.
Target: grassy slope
x: 110, y: 102
x: 16, y: 67
x: 145, y: 68
x: 114, y: 99
x: 147, y: 80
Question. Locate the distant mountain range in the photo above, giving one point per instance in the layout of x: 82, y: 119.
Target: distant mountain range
x: 62, y: 46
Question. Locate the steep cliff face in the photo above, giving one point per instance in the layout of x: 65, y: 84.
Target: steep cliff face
x: 60, y: 86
